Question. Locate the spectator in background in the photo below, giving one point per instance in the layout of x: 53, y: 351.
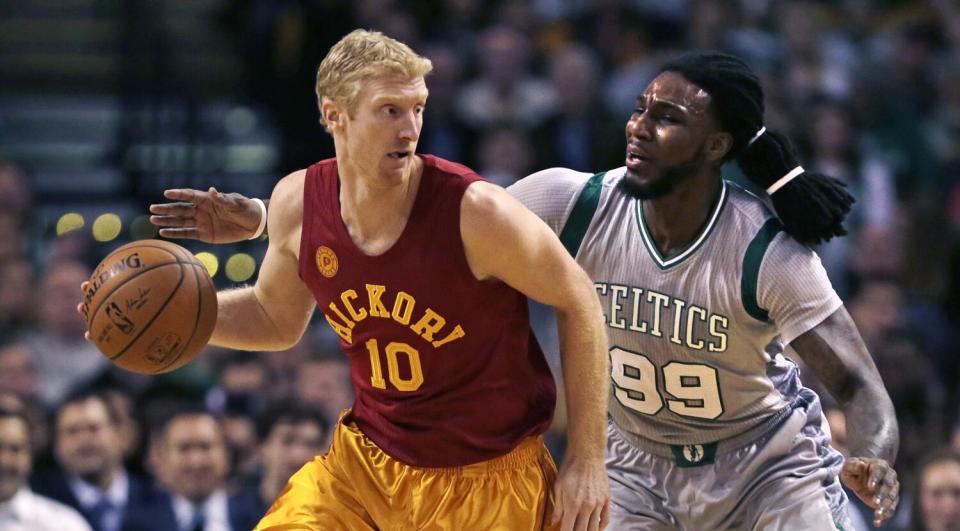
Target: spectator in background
x: 834, y: 151
x: 64, y: 359
x: 324, y: 383
x: 504, y: 156
x: 238, y: 398
x: 937, y: 506
x: 20, y: 508
x: 18, y: 374
x: 193, y: 465
x: 13, y: 242
x: 447, y: 136
x: 505, y: 93
x: 291, y: 434
x: 89, y: 448
x: 17, y: 298
x: 14, y: 190
x: 578, y: 134
x: 909, y: 376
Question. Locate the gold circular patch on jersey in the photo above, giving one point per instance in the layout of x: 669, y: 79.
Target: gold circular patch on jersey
x: 327, y: 261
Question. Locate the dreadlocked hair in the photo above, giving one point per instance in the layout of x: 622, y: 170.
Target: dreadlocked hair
x: 812, y: 205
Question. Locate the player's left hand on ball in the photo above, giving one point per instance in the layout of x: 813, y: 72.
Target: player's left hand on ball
x: 83, y: 289
x: 581, y: 496
x: 875, y: 482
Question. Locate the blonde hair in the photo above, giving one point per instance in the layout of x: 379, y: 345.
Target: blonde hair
x: 360, y: 55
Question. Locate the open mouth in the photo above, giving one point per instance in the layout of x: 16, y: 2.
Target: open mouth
x: 398, y: 155
x: 635, y: 155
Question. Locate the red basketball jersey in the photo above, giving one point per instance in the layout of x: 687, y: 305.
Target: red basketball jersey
x: 446, y: 368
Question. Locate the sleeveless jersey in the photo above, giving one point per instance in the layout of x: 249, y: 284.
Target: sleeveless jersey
x: 696, y: 338
x: 446, y: 369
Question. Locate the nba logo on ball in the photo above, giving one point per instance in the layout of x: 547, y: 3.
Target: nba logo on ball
x: 693, y: 452
x: 327, y: 261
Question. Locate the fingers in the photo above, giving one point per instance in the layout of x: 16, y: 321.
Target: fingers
x: 172, y: 221
x: 183, y: 210
x: 886, y: 495
x: 184, y: 194
x: 180, y: 233
x: 605, y: 514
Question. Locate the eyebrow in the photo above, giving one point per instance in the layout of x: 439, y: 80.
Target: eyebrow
x: 656, y: 101
x: 384, y: 99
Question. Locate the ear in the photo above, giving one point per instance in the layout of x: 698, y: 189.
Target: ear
x: 718, y: 145
x: 332, y: 113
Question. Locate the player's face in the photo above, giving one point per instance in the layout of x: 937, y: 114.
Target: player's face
x: 940, y: 496
x: 666, y: 136
x: 290, y: 445
x: 382, y: 132
x: 88, y: 443
x: 194, y: 456
x: 14, y: 457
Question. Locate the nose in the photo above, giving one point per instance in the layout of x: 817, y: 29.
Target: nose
x: 638, y: 126
x: 410, y: 129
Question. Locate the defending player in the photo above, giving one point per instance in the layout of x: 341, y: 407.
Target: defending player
x: 703, y: 290
x: 421, y: 268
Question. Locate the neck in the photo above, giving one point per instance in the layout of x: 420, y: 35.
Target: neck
x: 373, y: 208
x: 675, y: 219
x: 101, y: 479
x: 270, y: 486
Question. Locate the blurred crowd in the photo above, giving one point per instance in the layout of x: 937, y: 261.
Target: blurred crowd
x: 867, y: 89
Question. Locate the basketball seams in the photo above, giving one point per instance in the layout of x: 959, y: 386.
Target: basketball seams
x: 196, y: 320
x: 176, y: 260
x: 157, y: 313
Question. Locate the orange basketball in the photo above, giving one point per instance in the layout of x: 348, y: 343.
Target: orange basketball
x: 151, y: 306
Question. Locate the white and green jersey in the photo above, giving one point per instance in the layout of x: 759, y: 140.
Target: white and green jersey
x: 696, y: 338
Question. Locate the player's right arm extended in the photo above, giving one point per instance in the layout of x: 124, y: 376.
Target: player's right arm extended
x: 273, y: 313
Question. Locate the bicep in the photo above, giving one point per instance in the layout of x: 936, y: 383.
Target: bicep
x: 506, y: 241
x: 836, y: 353
x: 279, y: 289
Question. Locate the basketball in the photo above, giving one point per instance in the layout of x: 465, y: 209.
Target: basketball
x: 150, y: 307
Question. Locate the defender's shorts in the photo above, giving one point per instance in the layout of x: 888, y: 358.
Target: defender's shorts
x: 357, y: 486
x: 785, y: 479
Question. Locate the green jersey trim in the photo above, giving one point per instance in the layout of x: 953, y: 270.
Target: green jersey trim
x: 751, y: 268
x: 686, y: 252
x: 579, y: 221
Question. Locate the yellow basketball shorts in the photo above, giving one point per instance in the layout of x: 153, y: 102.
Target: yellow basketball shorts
x: 357, y: 486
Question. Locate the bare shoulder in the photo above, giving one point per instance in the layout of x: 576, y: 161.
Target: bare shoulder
x: 487, y: 208
x: 286, y: 208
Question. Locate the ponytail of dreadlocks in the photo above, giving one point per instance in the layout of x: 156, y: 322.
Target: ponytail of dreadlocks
x: 811, y: 206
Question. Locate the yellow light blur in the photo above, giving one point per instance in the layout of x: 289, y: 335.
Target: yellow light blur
x: 107, y: 227
x: 69, y: 222
x: 240, y: 267
x: 142, y: 229
x: 209, y: 261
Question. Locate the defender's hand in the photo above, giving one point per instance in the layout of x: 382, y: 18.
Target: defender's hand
x: 210, y: 216
x: 581, y: 496
x: 875, y: 482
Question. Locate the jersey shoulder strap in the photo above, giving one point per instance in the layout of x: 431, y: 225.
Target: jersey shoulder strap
x: 577, y: 223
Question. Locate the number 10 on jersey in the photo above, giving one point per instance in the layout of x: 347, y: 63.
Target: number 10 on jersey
x: 393, y: 351
x: 695, y: 386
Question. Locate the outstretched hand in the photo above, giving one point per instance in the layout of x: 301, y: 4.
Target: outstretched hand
x: 875, y: 482
x: 211, y: 216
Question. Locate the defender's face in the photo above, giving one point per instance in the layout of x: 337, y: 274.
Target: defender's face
x: 666, y: 135
x: 383, y: 131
